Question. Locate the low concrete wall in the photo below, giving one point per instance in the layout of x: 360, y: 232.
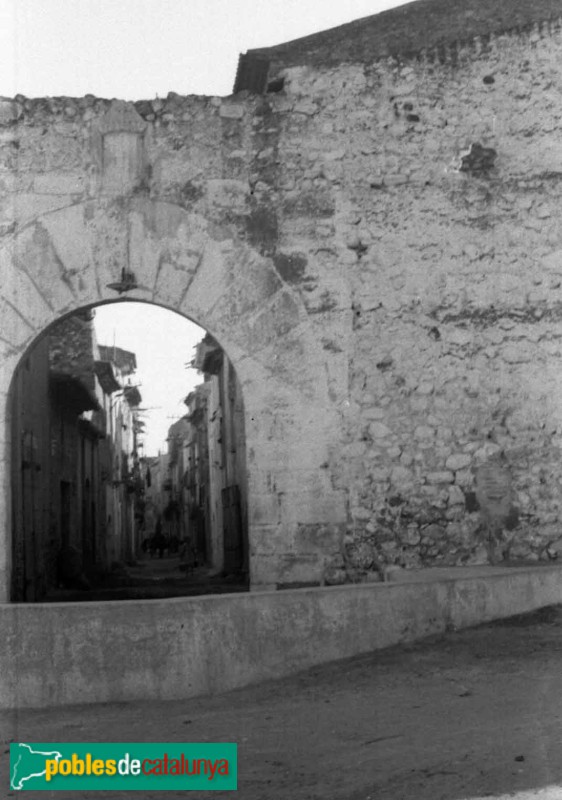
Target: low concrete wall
x: 56, y: 654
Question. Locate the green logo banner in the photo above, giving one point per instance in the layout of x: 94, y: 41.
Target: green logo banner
x: 123, y: 766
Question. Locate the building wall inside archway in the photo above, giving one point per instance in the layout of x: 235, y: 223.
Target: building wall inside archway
x: 76, y: 474
x: 377, y: 249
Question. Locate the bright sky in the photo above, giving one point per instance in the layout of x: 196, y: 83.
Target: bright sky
x: 138, y: 49
x: 163, y: 343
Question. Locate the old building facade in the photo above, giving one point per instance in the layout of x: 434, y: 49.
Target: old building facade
x: 72, y: 461
x: 374, y: 242
x: 123, y: 484
x: 197, y: 474
x: 206, y: 490
x: 199, y: 488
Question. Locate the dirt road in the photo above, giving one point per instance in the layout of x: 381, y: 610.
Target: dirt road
x: 477, y: 713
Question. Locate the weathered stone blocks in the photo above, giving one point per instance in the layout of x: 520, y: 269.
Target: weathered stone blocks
x: 458, y: 461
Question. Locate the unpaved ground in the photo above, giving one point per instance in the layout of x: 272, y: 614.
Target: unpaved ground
x: 476, y: 713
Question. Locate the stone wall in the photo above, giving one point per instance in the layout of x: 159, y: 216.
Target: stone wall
x: 376, y: 247
x: 191, y: 646
x: 439, y: 192
x: 166, y: 202
x: 405, y: 32
x: 71, y: 353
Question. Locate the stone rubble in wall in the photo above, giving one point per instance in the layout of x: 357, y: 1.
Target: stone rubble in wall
x: 366, y: 542
x: 173, y: 108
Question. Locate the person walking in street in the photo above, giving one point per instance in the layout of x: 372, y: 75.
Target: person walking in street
x: 159, y: 538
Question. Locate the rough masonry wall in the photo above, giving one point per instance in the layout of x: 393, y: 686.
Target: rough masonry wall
x: 437, y: 189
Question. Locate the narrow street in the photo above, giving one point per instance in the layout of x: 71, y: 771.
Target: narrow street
x: 473, y: 714
x: 153, y: 578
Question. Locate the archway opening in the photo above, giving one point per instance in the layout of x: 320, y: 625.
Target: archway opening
x: 128, y: 460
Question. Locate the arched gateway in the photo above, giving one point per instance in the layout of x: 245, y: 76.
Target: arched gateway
x: 96, y: 233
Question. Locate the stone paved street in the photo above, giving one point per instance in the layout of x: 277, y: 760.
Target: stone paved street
x: 477, y: 713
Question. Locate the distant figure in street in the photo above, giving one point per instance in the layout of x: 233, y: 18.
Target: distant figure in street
x: 159, y: 540
x: 188, y: 556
